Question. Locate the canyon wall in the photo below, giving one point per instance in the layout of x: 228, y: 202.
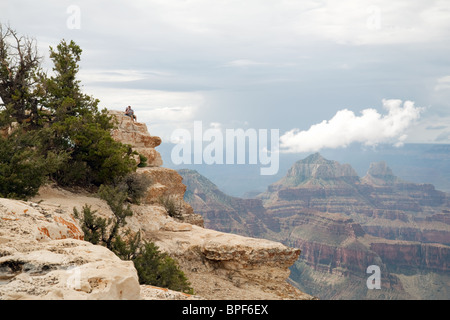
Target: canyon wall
x: 43, y: 255
x: 343, y: 223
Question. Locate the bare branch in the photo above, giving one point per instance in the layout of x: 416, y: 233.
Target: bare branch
x: 19, y: 64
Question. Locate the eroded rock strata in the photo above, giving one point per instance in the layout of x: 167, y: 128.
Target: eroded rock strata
x: 343, y: 223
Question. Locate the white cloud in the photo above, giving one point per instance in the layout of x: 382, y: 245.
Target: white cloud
x: 370, y: 128
x: 120, y: 75
x: 443, y: 83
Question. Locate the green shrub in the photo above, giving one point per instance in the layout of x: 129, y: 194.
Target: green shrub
x: 157, y: 268
x: 95, y: 157
x: 142, y: 161
x: 93, y: 227
x: 23, y: 167
x: 127, y: 248
x: 116, y: 201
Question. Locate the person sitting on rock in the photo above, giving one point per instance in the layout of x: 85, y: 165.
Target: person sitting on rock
x: 129, y: 112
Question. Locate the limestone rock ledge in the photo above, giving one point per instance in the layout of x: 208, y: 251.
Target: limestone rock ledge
x: 218, y: 265
x: 137, y: 135
x: 42, y: 257
x: 228, y: 266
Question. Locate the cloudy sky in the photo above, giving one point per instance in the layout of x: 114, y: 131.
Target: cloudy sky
x: 325, y: 73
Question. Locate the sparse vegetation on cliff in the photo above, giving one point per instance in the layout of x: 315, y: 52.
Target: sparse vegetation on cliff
x: 173, y: 206
x: 153, y: 266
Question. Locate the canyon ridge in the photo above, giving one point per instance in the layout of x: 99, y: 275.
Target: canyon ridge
x: 343, y: 224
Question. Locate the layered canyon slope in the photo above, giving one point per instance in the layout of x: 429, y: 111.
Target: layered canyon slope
x: 343, y: 224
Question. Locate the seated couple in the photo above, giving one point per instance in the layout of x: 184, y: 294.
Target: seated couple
x: 129, y: 112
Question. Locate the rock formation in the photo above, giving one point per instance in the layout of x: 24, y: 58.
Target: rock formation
x: 343, y: 224
x: 43, y: 255
x: 136, y: 134
x: 219, y: 265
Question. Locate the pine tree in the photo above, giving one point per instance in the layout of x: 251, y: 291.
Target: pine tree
x: 70, y: 127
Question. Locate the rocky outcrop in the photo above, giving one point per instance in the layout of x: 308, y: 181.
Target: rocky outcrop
x: 380, y: 174
x: 218, y: 265
x: 224, y: 266
x: 42, y: 257
x: 316, y: 171
x: 165, y: 182
x: 343, y: 224
x: 136, y: 134
x: 157, y: 293
x: 30, y: 220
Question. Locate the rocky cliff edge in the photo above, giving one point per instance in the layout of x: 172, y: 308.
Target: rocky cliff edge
x: 43, y: 255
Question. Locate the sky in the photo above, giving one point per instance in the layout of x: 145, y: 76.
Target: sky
x: 326, y: 74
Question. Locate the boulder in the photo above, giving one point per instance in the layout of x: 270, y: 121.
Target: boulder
x: 67, y: 269
x: 42, y: 256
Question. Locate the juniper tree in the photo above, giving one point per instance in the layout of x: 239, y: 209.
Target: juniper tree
x: 20, y: 78
x: 68, y: 122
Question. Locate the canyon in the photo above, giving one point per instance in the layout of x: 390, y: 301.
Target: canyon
x: 343, y: 224
x: 43, y: 254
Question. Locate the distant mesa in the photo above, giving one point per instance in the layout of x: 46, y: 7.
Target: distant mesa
x: 316, y: 170
x: 380, y: 174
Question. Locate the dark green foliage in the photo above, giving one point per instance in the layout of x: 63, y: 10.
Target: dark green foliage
x: 92, y: 226
x: 106, y: 232
x: 128, y: 248
x: 70, y: 135
x: 64, y: 97
x: 142, y: 161
x: 116, y: 201
x: 92, y: 148
x: 157, y: 268
x: 23, y: 167
x: 20, y: 72
x: 79, y: 128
